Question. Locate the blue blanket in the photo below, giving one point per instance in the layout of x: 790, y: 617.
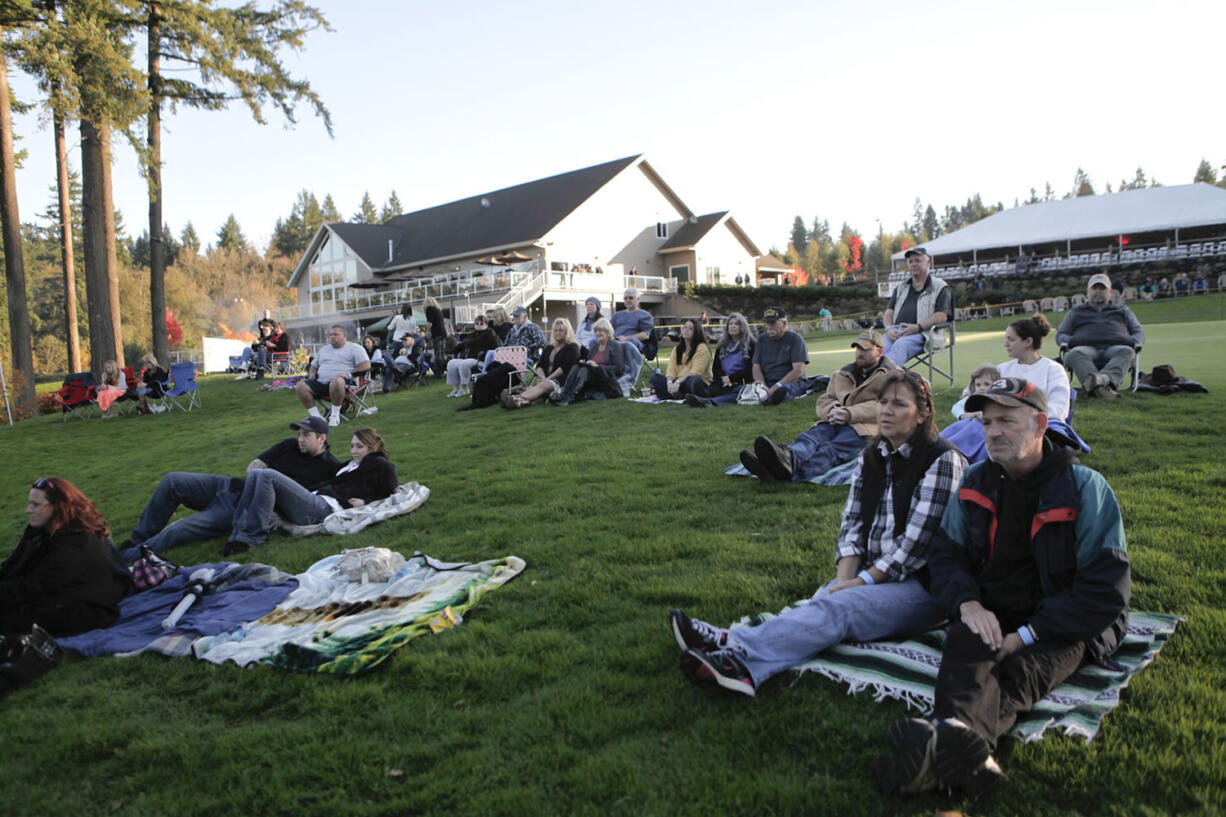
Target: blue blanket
x: 239, y: 593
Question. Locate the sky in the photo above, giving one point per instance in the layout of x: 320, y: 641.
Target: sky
x: 842, y: 110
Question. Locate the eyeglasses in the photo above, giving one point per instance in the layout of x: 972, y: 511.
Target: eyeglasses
x: 45, y: 485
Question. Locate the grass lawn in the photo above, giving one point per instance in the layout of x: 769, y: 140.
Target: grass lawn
x: 560, y: 693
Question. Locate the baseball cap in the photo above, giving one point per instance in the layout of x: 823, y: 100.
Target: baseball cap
x: 519, y: 310
x: 1010, y: 391
x: 316, y: 424
x: 1099, y: 279
x: 774, y: 313
x: 916, y: 251
x: 868, y: 338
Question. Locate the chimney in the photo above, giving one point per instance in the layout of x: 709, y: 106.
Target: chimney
x: 389, y: 251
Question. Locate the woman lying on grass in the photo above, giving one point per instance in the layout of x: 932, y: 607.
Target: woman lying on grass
x: 905, y: 478
x: 64, y: 575
x: 558, y: 358
x: 368, y: 476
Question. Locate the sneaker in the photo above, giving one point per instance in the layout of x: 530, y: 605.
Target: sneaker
x: 778, y: 397
x: 334, y: 420
x: 693, y: 634
x: 720, y: 668
x: 754, y: 466
x: 910, y: 766
x: 234, y: 547
x: 156, y: 408
x: 775, y: 458
x: 964, y: 760
x: 694, y: 401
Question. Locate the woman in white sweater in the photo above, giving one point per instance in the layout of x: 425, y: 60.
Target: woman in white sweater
x: 1023, y: 339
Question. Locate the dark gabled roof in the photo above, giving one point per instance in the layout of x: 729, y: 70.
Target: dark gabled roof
x: 692, y: 231
x: 508, y: 217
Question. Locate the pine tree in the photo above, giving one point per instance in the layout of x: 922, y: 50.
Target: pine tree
x: 800, y: 236
x: 230, y: 235
x: 14, y: 257
x: 1205, y: 173
x: 188, y: 238
x: 291, y: 236
x: 1081, y: 184
x: 328, y: 211
x: 391, y: 208
x: 366, y: 213
x: 932, y: 226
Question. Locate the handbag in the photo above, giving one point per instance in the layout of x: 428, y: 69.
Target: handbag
x: 150, y: 570
x: 752, y: 394
x: 27, y: 657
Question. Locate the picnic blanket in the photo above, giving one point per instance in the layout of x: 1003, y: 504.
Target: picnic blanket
x: 838, y: 475
x: 408, y: 497
x: 906, y: 670
x: 238, y: 593
x: 331, y: 624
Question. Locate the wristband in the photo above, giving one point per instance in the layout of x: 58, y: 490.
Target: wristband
x: 865, y: 577
x: 774, y: 386
x: 1026, y: 634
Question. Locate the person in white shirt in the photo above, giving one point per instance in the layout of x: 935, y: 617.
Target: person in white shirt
x: 330, y: 373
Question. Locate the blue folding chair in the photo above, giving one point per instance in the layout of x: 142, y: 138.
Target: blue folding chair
x: 184, y: 393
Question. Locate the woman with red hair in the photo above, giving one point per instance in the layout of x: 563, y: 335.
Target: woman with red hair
x: 64, y: 575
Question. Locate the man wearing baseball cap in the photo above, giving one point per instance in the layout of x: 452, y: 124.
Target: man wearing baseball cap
x: 779, y: 358
x: 1031, y: 564
x: 525, y: 333
x: 916, y: 307
x: 1100, y: 339
x: 846, y: 417
x: 306, y: 460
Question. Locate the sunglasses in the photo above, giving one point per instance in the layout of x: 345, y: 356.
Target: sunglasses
x: 45, y: 485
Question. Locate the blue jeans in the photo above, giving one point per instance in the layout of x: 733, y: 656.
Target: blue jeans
x: 905, y: 348
x: 1112, y: 361
x: 267, y: 491
x: 207, y: 494
x: 659, y: 385
x: 856, y: 614
x: 820, y: 448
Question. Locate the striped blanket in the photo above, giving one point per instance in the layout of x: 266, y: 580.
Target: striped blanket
x: 907, y: 671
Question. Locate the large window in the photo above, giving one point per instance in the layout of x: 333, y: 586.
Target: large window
x: 332, y: 269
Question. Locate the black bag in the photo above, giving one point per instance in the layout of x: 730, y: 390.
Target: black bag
x: 490, y: 385
x: 26, y: 658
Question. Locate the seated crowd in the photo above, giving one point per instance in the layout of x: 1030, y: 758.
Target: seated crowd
x: 996, y: 531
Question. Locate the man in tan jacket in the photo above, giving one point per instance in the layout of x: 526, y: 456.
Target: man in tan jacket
x: 846, y: 415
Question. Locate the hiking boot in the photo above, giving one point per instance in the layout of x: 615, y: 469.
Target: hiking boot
x: 909, y: 768
x: 754, y: 466
x: 964, y: 760
x: 720, y: 668
x: 775, y: 458
x: 694, y: 634
x: 694, y: 401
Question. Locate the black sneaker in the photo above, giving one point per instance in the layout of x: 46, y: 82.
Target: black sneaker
x: 754, y: 466
x: 692, y: 633
x: 694, y: 401
x: 780, y: 394
x: 909, y: 768
x: 720, y: 668
x: 774, y: 458
x: 235, y: 547
x: 964, y: 760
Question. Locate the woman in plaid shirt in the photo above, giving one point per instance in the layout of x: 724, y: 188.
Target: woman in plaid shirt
x: 880, y: 587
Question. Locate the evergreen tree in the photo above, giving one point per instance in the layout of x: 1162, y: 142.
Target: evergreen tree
x: 230, y: 236
x: 800, y: 236
x: 1048, y: 193
x: 1205, y: 173
x: 932, y: 226
x: 21, y: 345
x: 366, y: 213
x: 188, y: 238
x: 291, y: 236
x: 1082, y: 185
x: 328, y: 211
x: 391, y: 209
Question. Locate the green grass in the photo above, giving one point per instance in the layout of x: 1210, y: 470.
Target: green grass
x: 560, y: 693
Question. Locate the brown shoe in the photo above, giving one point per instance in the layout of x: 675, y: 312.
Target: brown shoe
x: 753, y: 466
x: 775, y: 458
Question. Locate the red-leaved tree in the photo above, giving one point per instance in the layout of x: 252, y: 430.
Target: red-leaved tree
x: 174, y: 332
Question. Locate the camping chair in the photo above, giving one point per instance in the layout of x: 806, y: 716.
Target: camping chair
x: 183, y: 392
x: 629, y: 381
x: 517, y: 357
x: 359, y: 398
x: 77, y: 396
x: 934, y: 347
x: 129, y: 404
x: 1134, y: 371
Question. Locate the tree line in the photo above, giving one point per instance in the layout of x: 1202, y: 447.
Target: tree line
x: 110, y: 67
x: 824, y: 260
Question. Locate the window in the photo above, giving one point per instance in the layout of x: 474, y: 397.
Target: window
x: 661, y: 229
x: 713, y: 274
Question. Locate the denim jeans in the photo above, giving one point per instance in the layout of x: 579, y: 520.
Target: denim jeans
x: 858, y: 614
x: 905, y: 348
x: 208, y: 494
x: 820, y: 448
x: 690, y: 385
x: 267, y: 491
x: 1112, y: 361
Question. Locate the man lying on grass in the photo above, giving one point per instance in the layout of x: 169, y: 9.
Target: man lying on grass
x: 905, y: 478
x: 305, y: 460
x: 1030, y: 558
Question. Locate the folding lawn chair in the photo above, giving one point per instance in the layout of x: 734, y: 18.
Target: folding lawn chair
x: 184, y: 393
x: 359, y: 398
x: 517, y: 357
x: 78, y: 396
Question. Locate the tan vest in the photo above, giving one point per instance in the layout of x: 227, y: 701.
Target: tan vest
x: 925, y: 305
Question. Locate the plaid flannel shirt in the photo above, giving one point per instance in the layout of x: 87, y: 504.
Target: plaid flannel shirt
x: 899, y: 557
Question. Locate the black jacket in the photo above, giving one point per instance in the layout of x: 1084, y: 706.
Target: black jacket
x: 68, y: 582
x: 374, y: 478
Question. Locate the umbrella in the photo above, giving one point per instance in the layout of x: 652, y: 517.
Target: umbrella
x: 512, y: 257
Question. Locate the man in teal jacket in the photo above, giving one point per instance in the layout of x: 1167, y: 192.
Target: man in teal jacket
x: 1030, y: 562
